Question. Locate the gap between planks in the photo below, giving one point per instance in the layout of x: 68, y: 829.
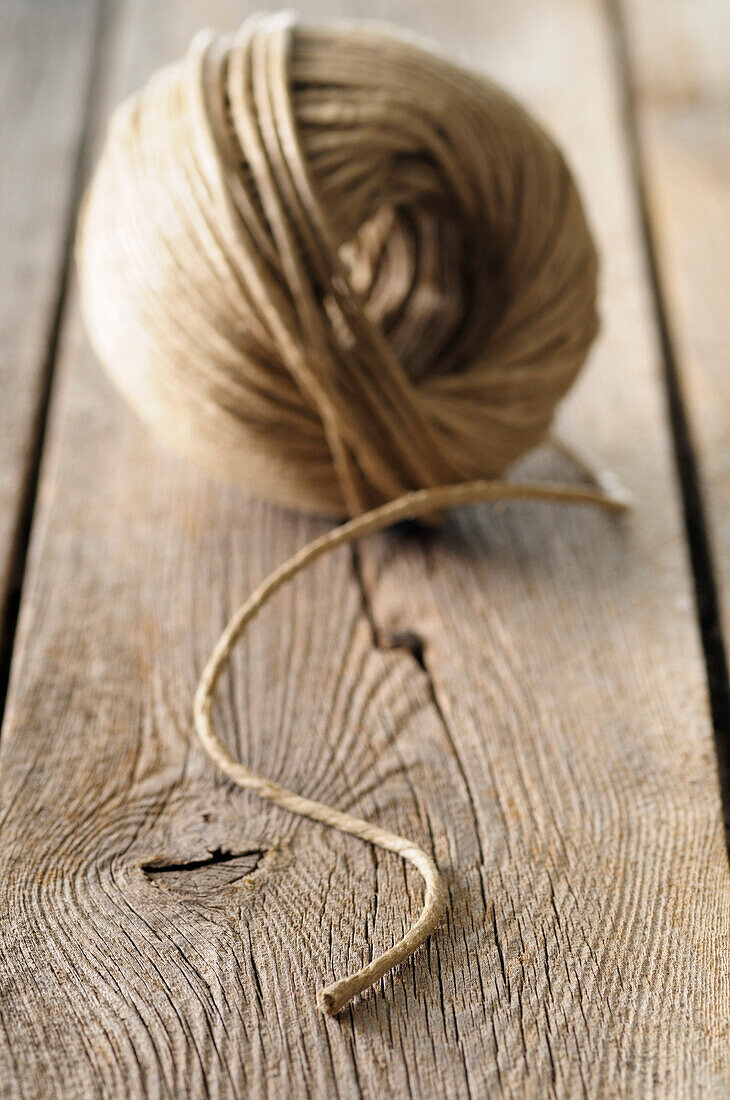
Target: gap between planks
x: 707, y: 603
x: 703, y: 571
x: 20, y: 541
x: 505, y: 949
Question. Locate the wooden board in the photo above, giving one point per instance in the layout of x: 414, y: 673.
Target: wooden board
x: 677, y: 56
x: 46, y: 54
x: 522, y: 693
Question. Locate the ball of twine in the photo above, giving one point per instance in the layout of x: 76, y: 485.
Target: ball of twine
x: 350, y: 275
x: 334, y: 266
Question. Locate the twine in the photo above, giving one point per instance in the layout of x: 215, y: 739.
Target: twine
x: 334, y: 267
x: 423, y: 502
x: 355, y: 278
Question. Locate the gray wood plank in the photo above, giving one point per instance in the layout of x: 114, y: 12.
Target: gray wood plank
x: 570, y: 697
x: 680, y: 79
x: 46, y: 52
x: 548, y: 737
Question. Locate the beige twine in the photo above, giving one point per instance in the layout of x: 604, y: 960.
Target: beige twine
x: 337, y: 268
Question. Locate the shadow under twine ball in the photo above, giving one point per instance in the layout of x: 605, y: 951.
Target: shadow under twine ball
x: 333, y: 266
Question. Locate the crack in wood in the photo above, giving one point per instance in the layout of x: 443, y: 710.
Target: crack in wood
x: 215, y: 859
x: 410, y: 642
x: 407, y: 640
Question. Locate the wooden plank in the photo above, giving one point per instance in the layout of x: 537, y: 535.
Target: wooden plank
x: 46, y: 52
x: 681, y: 79
x: 549, y: 743
x: 554, y: 648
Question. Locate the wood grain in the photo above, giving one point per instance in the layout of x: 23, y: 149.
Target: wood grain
x: 522, y: 692
x: 677, y: 55
x: 46, y: 53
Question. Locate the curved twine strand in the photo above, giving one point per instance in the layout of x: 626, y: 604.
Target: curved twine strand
x: 409, y: 506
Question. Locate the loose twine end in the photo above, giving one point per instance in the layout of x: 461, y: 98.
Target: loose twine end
x: 333, y: 998
x: 328, y: 1000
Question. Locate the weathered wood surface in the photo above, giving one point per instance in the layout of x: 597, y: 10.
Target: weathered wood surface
x: 679, y: 59
x: 46, y: 53
x: 541, y: 725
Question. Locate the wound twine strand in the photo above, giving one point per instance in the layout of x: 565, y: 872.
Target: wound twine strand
x: 334, y: 267
x: 351, y: 276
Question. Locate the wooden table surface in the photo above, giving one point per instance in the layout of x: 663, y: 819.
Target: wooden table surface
x: 537, y: 695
